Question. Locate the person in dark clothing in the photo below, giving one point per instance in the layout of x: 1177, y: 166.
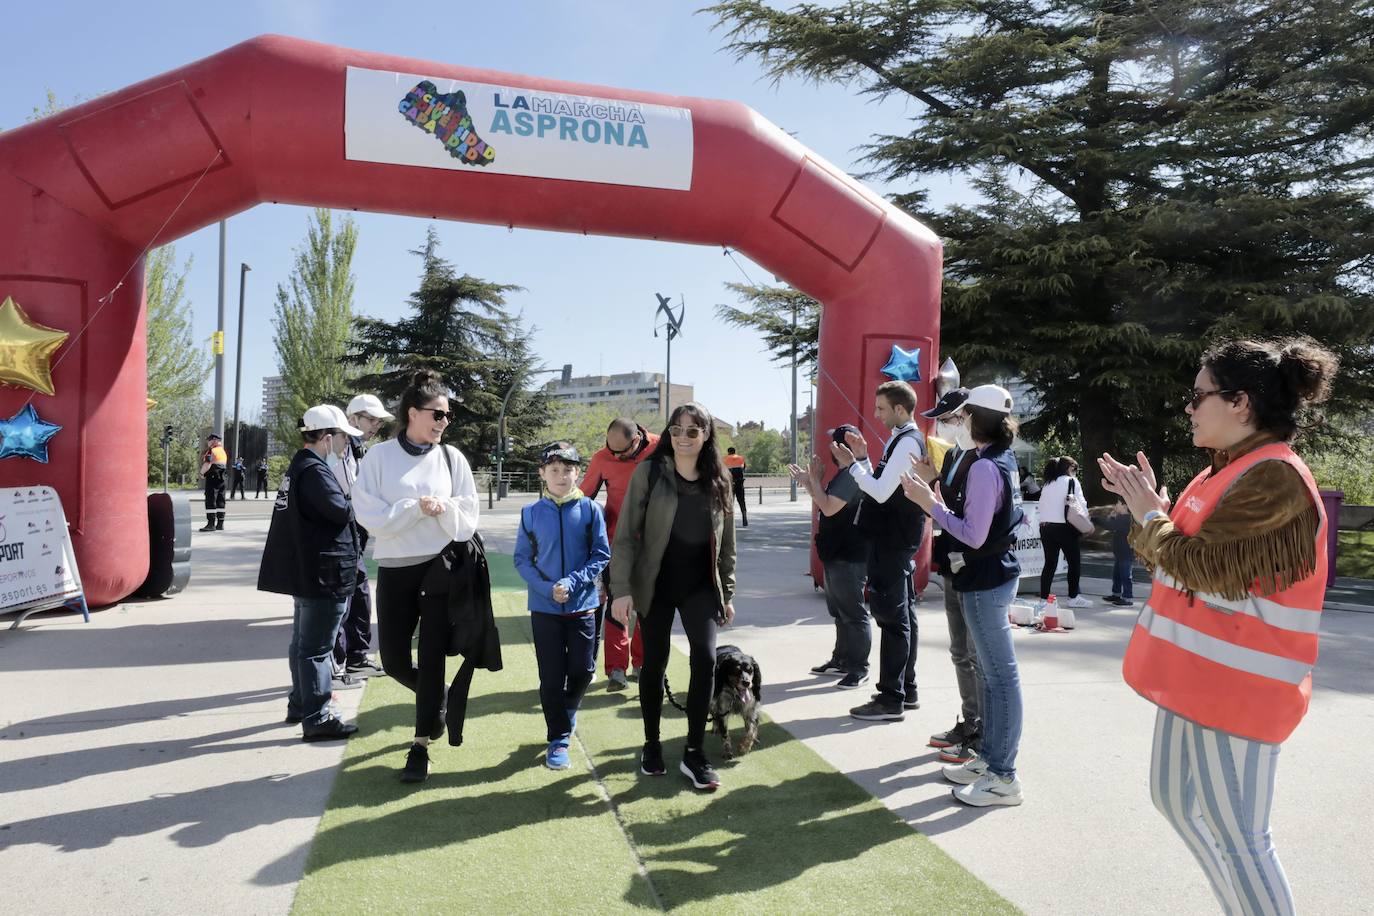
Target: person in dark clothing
x: 214, y: 467
x: 674, y: 555
x: 843, y: 551
x: 312, y: 555
x: 1118, y: 522
x: 239, y: 472
x: 735, y: 464
x: 262, y: 478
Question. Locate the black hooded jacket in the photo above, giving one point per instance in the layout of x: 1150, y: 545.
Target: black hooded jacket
x: 312, y: 546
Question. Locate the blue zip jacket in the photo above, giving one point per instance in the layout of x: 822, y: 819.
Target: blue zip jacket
x: 562, y: 545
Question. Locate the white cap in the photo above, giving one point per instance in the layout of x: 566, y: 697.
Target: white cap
x: 368, y: 404
x: 990, y: 397
x: 327, y: 416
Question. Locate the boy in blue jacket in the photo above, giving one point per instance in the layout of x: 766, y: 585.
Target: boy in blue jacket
x: 560, y: 551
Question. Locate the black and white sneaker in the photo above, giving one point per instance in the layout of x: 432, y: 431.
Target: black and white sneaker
x: 828, y: 667
x: 852, y: 681
x: 417, y: 764
x: 651, y: 759
x: 696, y: 768
x: 949, y: 738
x: 365, y: 667
x: 878, y: 711
x: 911, y: 700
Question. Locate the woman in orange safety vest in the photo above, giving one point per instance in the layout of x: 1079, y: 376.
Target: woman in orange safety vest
x: 1226, y: 644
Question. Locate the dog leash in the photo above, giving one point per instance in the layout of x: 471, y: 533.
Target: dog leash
x: 668, y: 691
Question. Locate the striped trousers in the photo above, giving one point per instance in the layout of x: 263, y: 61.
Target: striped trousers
x: 1216, y: 790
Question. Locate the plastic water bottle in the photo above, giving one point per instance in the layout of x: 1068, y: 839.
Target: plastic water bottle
x: 1050, y: 619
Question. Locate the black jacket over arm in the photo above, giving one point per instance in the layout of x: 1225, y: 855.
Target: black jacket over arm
x: 312, y: 543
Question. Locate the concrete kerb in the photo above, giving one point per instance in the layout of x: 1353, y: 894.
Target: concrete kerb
x: 173, y: 777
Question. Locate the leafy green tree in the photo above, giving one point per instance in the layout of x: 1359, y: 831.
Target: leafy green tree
x: 459, y: 327
x: 190, y: 418
x: 177, y: 367
x: 768, y: 310
x: 314, y: 316
x: 1152, y: 176
x: 584, y: 425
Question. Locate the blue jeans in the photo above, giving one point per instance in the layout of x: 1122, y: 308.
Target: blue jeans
x: 985, y: 612
x: 844, y: 598
x: 1122, y: 586
x: 313, y: 626
x: 565, y: 651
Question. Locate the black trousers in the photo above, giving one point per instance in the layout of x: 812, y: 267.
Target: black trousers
x: 890, y: 602
x: 262, y: 486
x: 399, y: 613
x: 698, y: 612
x: 1057, y: 537
x: 214, y: 497
x: 355, y: 631
x: 738, y: 487
x: 564, y: 650
x: 237, y: 487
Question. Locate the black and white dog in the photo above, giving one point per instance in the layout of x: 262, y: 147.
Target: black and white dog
x: 739, y: 691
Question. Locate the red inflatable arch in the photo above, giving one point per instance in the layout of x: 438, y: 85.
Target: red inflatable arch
x: 284, y: 120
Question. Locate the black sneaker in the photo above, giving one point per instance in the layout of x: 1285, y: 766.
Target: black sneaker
x: 878, y: 711
x: 696, y: 768
x: 828, y: 667
x: 651, y: 759
x: 346, y: 681
x: 293, y: 718
x: 365, y: 667
x: 330, y: 730
x: 948, y: 738
x: 417, y: 764
x: 911, y: 701
x: 852, y: 681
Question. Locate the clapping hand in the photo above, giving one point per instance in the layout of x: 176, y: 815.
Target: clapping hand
x: 918, y: 491
x: 843, y: 456
x: 924, y: 468
x: 1134, y: 483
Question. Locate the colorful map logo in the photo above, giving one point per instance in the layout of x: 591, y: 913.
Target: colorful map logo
x: 445, y: 117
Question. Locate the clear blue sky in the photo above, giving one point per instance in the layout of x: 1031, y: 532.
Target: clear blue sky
x: 590, y: 298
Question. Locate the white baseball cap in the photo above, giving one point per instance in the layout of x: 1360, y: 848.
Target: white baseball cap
x: 368, y: 404
x: 327, y: 416
x: 990, y: 397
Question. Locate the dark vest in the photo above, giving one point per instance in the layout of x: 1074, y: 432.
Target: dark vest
x: 953, y: 477
x: 899, y: 522
x: 995, y: 562
x: 836, y: 538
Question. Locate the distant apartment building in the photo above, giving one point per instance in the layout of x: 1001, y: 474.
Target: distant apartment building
x: 271, y: 397
x: 632, y: 391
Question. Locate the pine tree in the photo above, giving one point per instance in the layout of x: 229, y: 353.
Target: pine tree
x: 1153, y: 176
x: 458, y: 327
x: 768, y: 310
x: 314, y: 316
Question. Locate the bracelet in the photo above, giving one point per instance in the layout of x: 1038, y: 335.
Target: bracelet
x: 1152, y: 514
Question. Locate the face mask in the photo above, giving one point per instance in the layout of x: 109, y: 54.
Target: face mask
x: 963, y: 438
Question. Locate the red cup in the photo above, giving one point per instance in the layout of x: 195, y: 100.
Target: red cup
x: 1051, y: 621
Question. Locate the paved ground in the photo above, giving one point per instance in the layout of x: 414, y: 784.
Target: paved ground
x: 141, y: 756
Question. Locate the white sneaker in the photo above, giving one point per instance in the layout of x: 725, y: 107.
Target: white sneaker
x: 966, y: 773
x: 1080, y: 601
x: 989, y: 790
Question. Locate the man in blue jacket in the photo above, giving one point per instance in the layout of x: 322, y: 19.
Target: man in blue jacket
x: 560, y: 551
x: 312, y: 555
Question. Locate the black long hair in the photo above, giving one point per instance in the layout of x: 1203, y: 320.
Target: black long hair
x: 1282, y: 378
x: 709, y: 465
x: 425, y: 386
x: 1058, y: 467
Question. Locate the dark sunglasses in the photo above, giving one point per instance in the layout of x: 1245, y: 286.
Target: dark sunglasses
x: 621, y: 451
x: 1198, y: 396
x: 440, y: 415
x: 691, y: 432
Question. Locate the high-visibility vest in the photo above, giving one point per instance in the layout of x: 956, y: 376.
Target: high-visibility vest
x: 1241, y: 667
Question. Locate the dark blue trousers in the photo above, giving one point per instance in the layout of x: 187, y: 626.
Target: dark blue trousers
x: 565, y: 651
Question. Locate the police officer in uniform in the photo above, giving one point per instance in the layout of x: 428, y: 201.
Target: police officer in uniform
x: 214, y: 466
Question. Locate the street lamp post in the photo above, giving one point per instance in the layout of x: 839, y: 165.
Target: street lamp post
x: 238, y: 359
x: 794, y: 397
x: 673, y: 327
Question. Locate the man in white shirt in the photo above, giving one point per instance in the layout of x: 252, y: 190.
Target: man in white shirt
x: 894, y: 526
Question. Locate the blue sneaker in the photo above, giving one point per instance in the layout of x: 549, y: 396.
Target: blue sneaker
x: 557, y: 756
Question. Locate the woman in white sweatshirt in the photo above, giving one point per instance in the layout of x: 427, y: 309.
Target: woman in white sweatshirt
x: 414, y: 495
x: 1056, y: 534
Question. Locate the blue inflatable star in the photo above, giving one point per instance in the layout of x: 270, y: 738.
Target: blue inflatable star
x: 904, y: 365
x: 26, y: 436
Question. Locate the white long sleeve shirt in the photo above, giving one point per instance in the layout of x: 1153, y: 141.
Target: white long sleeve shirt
x: 1053, y: 497
x: 386, y: 501
x: 898, y: 463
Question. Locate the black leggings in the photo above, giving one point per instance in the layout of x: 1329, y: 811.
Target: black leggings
x: 399, y: 611
x: 1056, y: 537
x: 698, y: 612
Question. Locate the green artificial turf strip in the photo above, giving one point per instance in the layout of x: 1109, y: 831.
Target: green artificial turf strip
x: 492, y: 828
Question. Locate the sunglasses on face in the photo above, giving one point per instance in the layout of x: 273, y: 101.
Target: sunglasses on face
x: 439, y: 415
x: 621, y: 451
x: 690, y: 432
x: 1198, y: 396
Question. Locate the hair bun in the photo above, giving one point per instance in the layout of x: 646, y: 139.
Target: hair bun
x: 1308, y: 368
x: 423, y: 377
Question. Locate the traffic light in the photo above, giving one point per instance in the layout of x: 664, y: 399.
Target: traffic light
x: 167, y: 433
x: 509, y: 445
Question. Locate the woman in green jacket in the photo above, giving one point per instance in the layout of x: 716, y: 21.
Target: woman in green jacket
x: 675, y: 552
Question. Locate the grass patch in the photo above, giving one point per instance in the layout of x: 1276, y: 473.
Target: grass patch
x: 492, y: 828
x: 1355, y: 554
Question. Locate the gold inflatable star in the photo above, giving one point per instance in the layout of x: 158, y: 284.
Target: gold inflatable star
x: 25, y: 349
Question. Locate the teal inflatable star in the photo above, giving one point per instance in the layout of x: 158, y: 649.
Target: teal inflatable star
x: 904, y: 365
x: 26, y: 436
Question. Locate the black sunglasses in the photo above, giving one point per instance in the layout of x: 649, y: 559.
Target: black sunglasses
x: 1198, y: 396
x: 440, y: 415
x: 691, y: 432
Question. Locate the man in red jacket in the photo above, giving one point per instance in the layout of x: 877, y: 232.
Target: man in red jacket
x: 627, y: 444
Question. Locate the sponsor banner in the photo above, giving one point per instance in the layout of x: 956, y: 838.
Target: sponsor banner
x: 1028, y: 542
x: 37, y: 563
x: 435, y: 122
